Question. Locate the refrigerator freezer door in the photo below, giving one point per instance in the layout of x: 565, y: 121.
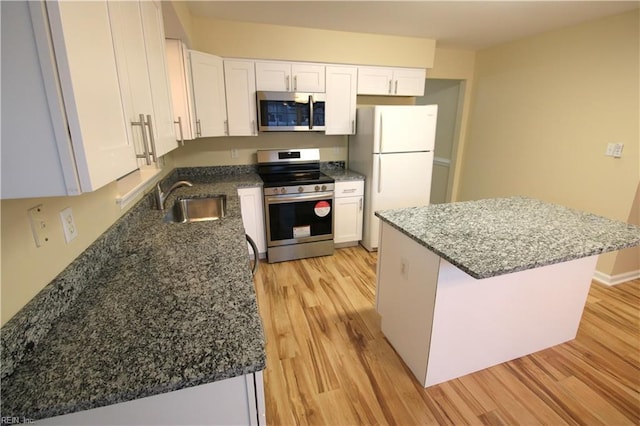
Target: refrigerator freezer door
x: 398, y: 181
x: 405, y: 128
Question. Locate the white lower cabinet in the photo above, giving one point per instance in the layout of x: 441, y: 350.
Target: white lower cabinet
x: 235, y: 401
x: 349, y: 198
x: 252, y: 208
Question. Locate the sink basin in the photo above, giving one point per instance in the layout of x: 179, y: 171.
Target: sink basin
x: 197, y: 209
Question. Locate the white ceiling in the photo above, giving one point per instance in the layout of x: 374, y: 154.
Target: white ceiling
x: 470, y: 25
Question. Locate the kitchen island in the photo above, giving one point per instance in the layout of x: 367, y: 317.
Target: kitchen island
x: 155, y: 323
x: 464, y: 286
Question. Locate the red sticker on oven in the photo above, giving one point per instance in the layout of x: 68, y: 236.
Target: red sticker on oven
x: 322, y: 208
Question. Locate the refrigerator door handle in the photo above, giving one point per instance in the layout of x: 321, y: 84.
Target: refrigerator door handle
x: 381, y: 137
x: 379, y: 174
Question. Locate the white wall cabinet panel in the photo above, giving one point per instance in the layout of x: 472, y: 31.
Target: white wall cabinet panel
x: 340, y: 107
x: 179, y: 70
x: 348, y: 212
x: 391, y: 81
x: 163, y: 125
x: 56, y: 61
x: 290, y: 77
x: 240, y: 87
x: 207, y: 77
x: 139, y: 44
x: 252, y: 210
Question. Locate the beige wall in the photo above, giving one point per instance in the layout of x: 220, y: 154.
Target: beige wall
x: 544, y: 109
x: 262, y: 41
x: 26, y: 269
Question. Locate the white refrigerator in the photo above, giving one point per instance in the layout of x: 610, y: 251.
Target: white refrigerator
x: 393, y: 148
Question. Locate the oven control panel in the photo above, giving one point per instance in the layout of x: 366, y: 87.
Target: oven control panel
x: 299, y: 189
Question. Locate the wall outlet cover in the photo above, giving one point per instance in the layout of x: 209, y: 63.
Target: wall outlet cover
x: 68, y: 225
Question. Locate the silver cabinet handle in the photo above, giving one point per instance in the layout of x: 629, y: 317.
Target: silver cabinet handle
x: 287, y: 82
x: 353, y: 127
x: 152, y: 138
x: 295, y: 83
x: 198, y: 128
x: 226, y: 127
x: 396, y: 91
x: 254, y: 127
x: 179, y: 123
x: 145, y: 142
x: 360, y: 204
x: 390, y: 86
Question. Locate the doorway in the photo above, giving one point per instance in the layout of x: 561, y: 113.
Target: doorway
x: 448, y: 95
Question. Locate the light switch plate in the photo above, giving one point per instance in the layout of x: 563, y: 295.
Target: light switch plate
x: 38, y: 225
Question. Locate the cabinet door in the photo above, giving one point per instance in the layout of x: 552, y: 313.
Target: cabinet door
x: 85, y: 58
x: 274, y: 76
x: 374, y: 80
x: 340, y: 106
x: 163, y: 127
x: 409, y: 81
x: 307, y: 78
x: 348, y: 219
x: 181, y: 92
x: 207, y: 77
x: 240, y: 86
x: 133, y: 73
x: 252, y: 210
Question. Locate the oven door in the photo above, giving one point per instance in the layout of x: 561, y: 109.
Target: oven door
x: 298, y: 218
x: 285, y: 111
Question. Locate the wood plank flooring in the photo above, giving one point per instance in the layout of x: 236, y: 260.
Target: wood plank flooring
x: 328, y: 363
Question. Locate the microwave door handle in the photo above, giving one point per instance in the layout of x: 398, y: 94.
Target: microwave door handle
x: 310, y: 112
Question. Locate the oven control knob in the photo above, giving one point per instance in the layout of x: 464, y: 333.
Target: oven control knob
x: 300, y: 189
x: 317, y: 188
x: 324, y: 187
x: 283, y: 191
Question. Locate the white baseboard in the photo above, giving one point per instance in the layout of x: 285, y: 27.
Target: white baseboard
x: 615, y: 279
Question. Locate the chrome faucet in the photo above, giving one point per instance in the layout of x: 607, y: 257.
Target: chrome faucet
x: 161, y: 197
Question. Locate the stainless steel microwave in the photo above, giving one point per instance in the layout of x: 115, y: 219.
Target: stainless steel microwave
x: 290, y: 111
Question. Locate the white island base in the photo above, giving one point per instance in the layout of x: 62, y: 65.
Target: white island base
x: 446, y: 324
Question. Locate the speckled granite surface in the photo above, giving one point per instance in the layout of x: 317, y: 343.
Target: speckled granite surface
x: 150, y: 308
x: 343, y: 174
x: 492, y: 237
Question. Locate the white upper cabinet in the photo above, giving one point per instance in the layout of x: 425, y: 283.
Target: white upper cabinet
x: 139, y: 43
x: 58, y: 59
x: 179, y: 72
x: 290, y: 77
x: 391, y: 81
x: 207, y: 78
x: 153, y: 25
x: 340, y: 106
x: 240, y: 87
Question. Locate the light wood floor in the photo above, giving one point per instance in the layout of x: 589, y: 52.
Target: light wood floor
x: 329, y: 364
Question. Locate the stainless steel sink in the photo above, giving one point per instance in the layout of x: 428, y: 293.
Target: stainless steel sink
x: 197, y: 209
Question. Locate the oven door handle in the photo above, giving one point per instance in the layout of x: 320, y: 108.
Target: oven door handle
x: 292, y: 198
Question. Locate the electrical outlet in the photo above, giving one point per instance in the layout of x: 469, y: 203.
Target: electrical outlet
x: 614, y: 150
x: 609, y: 151
x: 404, y: 268
x: 617, y: 150
x: 68, y: 225
x: 234, y: 153
x: 38, y: 225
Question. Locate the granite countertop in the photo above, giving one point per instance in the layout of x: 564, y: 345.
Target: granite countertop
x: 343, y: 174
x: 492, y: 237
x: 173, y: 307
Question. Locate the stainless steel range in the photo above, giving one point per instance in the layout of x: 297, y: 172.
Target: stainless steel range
x: 298, y: 204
